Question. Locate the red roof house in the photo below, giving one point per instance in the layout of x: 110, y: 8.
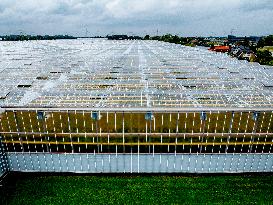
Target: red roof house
x: 222, y: 49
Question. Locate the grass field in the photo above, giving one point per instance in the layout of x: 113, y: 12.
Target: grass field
x: 269, y: 48
x: 149, y: 189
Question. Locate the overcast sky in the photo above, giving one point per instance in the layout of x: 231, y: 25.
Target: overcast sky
x: 139, y: 17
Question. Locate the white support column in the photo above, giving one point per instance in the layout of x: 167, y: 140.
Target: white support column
x: 4, y: 166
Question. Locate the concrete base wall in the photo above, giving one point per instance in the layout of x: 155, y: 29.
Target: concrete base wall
x: 142, y: 163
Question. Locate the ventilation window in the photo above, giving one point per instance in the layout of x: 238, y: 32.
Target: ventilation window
x: 4, y: 95
x: 203, y: 98
x: 42, y: 78
x: 24, y: 86
x: 268, y: 85
x: 110, y: 78
x: 190, y: 86
x: 95, y: 98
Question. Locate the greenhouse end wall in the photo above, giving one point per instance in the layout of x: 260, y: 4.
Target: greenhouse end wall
x: 91, y: 141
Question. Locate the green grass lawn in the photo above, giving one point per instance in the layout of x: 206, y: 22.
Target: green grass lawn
x: 270, y: 48
x: 229, y: 189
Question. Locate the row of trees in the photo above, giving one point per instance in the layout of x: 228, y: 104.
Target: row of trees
x: 265, y: 41
x: 38, y: 37
x: 188, y: 41
x: 264, y: 56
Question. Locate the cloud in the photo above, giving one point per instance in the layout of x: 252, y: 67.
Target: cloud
x: 188, y: 17
x: 256, y: 5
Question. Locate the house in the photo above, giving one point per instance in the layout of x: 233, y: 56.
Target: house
x: 249, y: 56
x: 242, y: 53
x: 222, y: 49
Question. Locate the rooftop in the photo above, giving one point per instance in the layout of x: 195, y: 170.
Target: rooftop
x: 149, y: 75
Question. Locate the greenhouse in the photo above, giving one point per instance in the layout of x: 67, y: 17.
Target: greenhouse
x: 102, y: 106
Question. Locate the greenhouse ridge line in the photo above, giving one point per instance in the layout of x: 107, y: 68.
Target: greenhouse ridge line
x: 156, y: 134
x: 150, y: 109
x: 142, y: 143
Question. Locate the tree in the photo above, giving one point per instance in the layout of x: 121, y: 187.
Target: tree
x: 175, y: 39
x: 147, y: 37
x: 264, y: 57
x: 245, y: 43
x: 265, y: 41
x: 158, y: 38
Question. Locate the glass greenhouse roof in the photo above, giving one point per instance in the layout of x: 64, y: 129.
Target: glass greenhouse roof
x: 103, y: 74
